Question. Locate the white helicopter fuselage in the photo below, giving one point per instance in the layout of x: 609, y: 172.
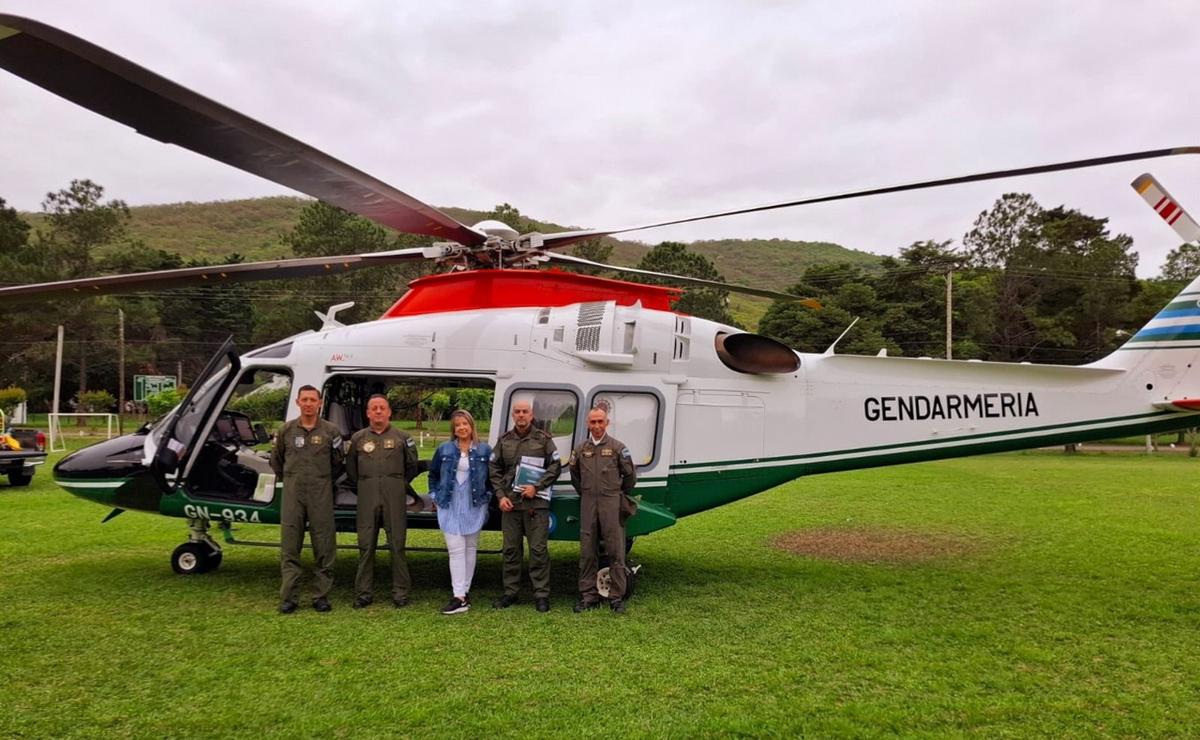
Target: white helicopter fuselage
x: 722, y: 434
x: 710, y: 414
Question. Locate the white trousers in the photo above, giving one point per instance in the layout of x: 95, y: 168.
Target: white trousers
x: 463, y: 549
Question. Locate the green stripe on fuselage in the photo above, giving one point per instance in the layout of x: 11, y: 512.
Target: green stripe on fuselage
x: 693, y: 492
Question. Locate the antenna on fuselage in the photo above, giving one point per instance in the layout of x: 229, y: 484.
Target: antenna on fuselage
x: 328, y: 320
x: 844, y: 333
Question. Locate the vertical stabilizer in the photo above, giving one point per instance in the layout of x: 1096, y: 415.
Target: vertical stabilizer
x: 1176, y: 326
x: 1175, y: 330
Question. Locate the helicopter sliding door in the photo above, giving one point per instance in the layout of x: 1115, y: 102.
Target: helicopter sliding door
x: 705, y: 418
x: 421, y: 406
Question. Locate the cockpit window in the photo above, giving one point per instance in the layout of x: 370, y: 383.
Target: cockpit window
x: 192, y: 411
x: 276, y: 351
x: 173, y: 442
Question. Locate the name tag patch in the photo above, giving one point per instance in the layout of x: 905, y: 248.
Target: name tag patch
x: 606, y: 452
x: 389, y: 444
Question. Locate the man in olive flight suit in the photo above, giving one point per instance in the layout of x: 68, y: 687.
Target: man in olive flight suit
x: 602, y: 472
x: 380, y: 463
x: 308, y: 454
x: 526, y: 515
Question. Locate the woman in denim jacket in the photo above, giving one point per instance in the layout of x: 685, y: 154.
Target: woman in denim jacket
x: 458, y: 482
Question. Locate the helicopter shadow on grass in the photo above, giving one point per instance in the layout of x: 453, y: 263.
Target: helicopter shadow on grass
x: 255, y: 570
x: 252, y: 573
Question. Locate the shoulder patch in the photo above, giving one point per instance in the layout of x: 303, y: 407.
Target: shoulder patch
x: 409, y: 441
x: 337, y: 441
x: 555, y: 456
x: 625, y: 452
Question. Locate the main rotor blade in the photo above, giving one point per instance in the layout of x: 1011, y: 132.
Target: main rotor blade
x: 684, y: 280
x: 114, y: 87
x: 208, y: 275
x: 562, y: 239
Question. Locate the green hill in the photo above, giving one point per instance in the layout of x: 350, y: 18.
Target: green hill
x: 252, y: 228
x: 212, y: 230
x: 776, y: 263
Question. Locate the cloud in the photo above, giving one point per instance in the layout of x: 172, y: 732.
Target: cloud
x: 621, y: 113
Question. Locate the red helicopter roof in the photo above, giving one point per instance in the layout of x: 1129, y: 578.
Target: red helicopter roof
x: 471, y: 290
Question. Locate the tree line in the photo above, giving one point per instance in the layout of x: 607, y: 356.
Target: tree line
x: 1029, y: 283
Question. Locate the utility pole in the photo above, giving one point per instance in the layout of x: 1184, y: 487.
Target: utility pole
x: 120, y: 371
x: 55, y: 425
x: 949, y: 310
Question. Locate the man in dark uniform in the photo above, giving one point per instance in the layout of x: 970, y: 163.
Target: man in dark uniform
x: 526, y: 512
x: 602, y: 472
x: 380, y: 463
x: 308, y: 454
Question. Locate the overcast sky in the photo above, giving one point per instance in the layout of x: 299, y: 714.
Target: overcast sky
x: 606, y: 114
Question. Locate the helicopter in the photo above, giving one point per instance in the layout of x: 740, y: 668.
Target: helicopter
x: 711, y: 413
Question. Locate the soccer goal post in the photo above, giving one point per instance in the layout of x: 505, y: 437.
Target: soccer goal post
x: 57, y: 441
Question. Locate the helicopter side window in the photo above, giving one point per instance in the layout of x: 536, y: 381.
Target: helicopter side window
x: 233, y: 463
x: 635, y: 418
x: 554, y: 411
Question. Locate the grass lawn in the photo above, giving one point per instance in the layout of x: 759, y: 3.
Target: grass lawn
x: 1030, y: 595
